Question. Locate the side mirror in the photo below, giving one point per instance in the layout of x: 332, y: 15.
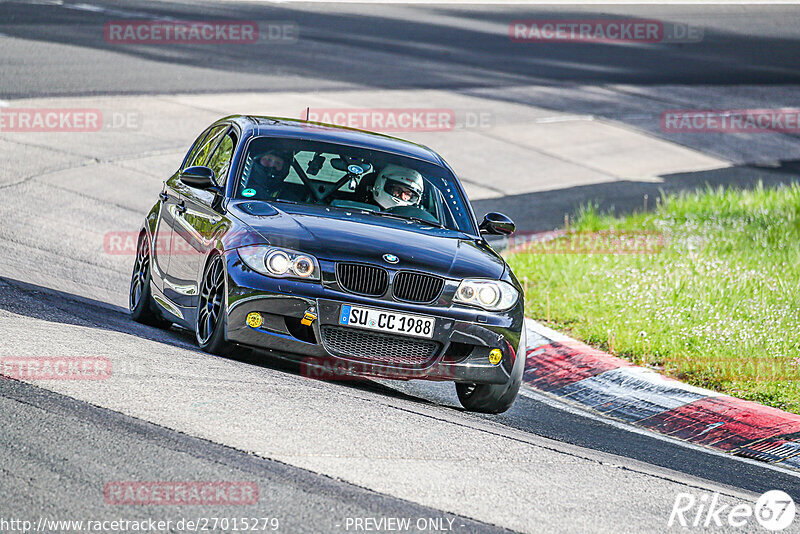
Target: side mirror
x: 200, y: 178
x: 497, y: 224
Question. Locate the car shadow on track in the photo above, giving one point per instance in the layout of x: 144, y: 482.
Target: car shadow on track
x: 39, y: 302
x: 282, y: 363
x: 52, y: 305
x: 527, y: 415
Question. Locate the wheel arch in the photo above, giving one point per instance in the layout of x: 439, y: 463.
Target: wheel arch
x: 213, y: 253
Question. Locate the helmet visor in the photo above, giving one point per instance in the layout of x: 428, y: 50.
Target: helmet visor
x: 401, y: 191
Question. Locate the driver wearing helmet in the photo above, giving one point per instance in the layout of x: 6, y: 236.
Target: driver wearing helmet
x: 268, y: 173
x: 398, y: 186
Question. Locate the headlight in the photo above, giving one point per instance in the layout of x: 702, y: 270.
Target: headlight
x: 280, y: 262
x: 491, y: 295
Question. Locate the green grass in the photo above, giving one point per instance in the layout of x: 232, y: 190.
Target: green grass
x: 717, y: 307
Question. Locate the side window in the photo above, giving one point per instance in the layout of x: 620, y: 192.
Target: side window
x: 220, y: 161
x: 195, y: 147
x: 205, y: 150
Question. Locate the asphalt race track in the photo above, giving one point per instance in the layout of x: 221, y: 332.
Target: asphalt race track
x: 324, y: 454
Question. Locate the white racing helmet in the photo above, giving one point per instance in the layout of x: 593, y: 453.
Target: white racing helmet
x: 398, y: 186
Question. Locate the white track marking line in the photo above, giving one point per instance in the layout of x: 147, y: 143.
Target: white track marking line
x: 114, y: 12
x: 564, y: 118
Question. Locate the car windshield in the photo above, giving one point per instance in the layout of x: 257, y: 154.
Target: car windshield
x: 339, y: 176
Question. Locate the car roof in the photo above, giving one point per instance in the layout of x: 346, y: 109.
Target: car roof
x: 316, y: 131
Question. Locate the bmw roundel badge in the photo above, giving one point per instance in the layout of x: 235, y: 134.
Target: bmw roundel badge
x: 390, y: 258
x: 355, y: 169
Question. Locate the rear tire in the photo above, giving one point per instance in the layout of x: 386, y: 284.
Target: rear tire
x: 212, y: 315
x: 140, y: 299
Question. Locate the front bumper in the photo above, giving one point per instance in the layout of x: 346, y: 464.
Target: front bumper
x: 460, y: 347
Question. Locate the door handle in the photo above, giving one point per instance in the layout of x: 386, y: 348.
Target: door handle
x: 180, y: 207
x: 163, y: 196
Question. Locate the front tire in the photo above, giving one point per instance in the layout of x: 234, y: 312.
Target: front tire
x: 140, y: 299
x: 487, y: 398
x: 495, y: 398
x: 212, y: 316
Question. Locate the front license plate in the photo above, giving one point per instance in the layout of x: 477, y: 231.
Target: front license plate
x: 387, y: 321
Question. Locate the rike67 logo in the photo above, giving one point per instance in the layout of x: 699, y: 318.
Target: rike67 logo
x: 774, y: 511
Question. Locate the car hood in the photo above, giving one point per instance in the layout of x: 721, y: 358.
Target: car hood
x: 342, y: 235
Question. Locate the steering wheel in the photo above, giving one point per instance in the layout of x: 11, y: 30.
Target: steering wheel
x: 414, y: 211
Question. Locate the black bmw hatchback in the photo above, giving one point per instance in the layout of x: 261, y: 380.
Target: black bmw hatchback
x: 356, y: 253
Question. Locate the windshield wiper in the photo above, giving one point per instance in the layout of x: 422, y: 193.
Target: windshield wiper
x: 415, y: 219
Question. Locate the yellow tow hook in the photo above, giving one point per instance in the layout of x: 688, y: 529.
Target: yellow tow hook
x: 309, y: 317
